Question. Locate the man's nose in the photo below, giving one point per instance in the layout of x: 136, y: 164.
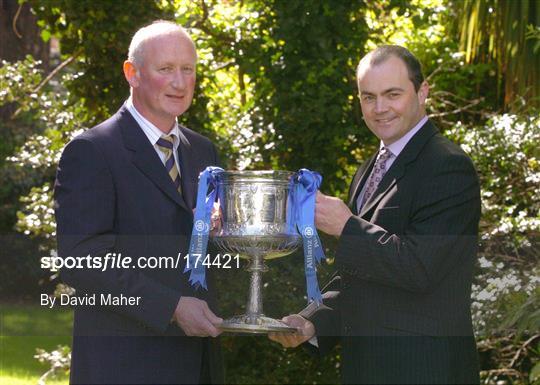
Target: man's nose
x: 179, y: 80
x: 380, y: 105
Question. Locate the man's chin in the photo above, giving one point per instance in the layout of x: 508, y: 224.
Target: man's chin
x: 177, y: 111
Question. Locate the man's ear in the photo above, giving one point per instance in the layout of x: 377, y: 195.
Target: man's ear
x: 423, y: 92
x: 131, y: 74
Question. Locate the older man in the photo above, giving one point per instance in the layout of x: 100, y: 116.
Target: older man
x: 126, y: 189
x: 400, y: 303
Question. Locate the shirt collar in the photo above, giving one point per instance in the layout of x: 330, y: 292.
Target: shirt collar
x: 398, y: 146
x: 152, y: 132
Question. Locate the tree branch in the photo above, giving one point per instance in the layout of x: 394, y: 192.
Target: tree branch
x: 14, y: 23
x: 521, y: 348
x: 458, y: 110
x: 56, y: 70
x: 49, y: 77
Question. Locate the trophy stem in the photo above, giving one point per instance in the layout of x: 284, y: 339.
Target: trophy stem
x: 254, y: 304
x: 254, y: 321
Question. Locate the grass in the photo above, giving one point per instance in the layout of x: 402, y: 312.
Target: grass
x: 23, y: 328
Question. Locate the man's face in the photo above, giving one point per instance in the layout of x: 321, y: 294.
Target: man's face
x: 163, y: 86
x: 390, y: 105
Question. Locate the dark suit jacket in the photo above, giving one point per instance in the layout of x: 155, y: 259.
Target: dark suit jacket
x: 405, y: 267
x: 113, y: 194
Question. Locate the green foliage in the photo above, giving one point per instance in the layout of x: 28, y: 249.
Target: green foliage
x: 17, y: 82
x: 17, y: 97
x: 25, y: 328
x: 504, y: 26
x: 59, y: 361
x: 55, y: 121
x: 506, y: 294
x: 510, y: 176
x: 97, y: 33
x: 457, y: 92
x: 283, y: 96
x: 526, y: 315
x: 310, y: 82
x: 47, y: 121
x: 534, y: 376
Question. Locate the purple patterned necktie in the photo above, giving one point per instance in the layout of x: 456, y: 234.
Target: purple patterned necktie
x: 166, y: 145
x: 379, y: 169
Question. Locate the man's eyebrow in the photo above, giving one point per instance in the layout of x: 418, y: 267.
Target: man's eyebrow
x: 393, y: 89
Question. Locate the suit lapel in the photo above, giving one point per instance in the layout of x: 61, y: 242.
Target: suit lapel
x: 397, y: 170
x: 189, y: 170
x: 359, y: 180
x: 145, y: 157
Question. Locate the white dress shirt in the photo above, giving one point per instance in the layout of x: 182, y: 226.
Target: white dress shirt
x: 153, y: 133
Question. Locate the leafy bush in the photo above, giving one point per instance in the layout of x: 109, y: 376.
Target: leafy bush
x: 506, y: 292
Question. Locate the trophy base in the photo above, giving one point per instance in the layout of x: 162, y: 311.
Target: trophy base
x: 261, y: 325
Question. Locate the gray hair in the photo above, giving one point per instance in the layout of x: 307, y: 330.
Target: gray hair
x: 144, y: 34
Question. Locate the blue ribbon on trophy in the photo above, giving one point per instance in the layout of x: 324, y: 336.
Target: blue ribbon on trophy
x: 201, y: 227
x: 301, y: 210
x: 304, y: 186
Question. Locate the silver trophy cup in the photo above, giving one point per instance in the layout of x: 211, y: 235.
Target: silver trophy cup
x: 257, y: 225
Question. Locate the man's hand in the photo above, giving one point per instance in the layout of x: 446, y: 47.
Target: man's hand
x: 215, y: 219
x: 331, y: 214
x: 195, y: 318
x: 305, y: 331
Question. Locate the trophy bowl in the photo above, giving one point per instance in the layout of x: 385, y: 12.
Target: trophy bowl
x: 257, y: 224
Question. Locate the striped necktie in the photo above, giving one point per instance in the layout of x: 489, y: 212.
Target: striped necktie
x: 166, y: 145
x: 379, y: 169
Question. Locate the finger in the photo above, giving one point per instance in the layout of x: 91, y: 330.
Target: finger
x: 289, y: 320
x: 209, y: 314
x: 214, y: 321
x: 280, y: 338
x: 287, y: 340
x: 293, y: 341
x: 274, y: 337
x: 214, y: 331
x: 206, y: 329
x: 294, y: 321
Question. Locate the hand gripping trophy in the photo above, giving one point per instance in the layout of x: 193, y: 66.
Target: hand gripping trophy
x: 264, y: 215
